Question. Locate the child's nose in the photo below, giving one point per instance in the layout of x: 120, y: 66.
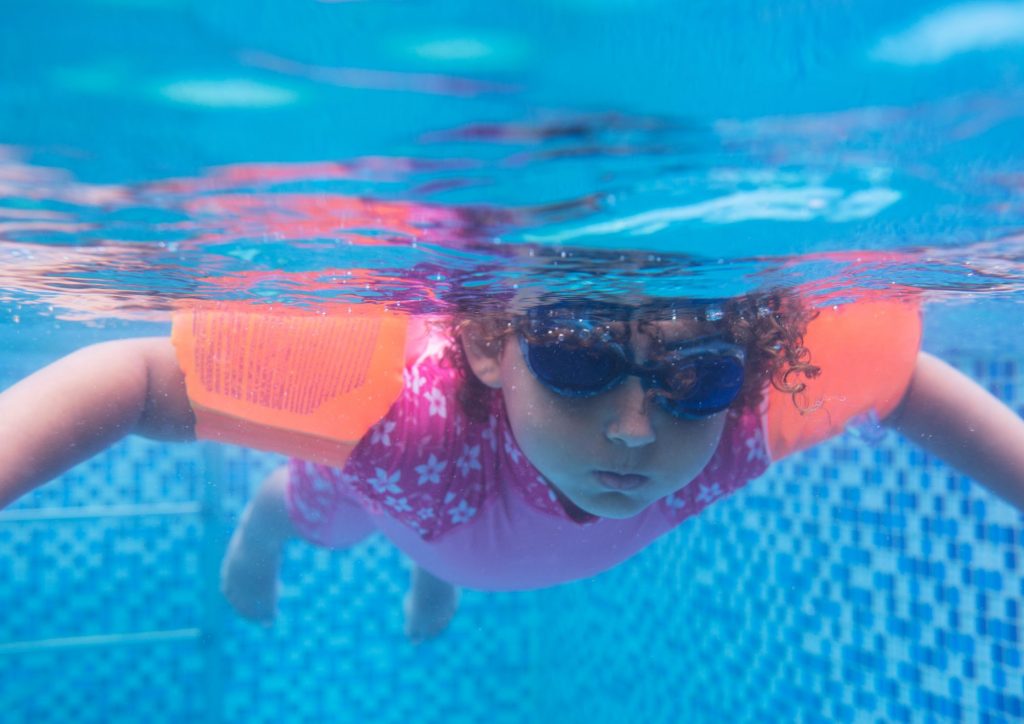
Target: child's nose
x: 629, y: 422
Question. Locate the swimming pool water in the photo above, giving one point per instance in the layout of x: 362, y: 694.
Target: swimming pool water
x: 162, y: 150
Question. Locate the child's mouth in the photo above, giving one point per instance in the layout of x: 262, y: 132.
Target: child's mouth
x: 620, y: 481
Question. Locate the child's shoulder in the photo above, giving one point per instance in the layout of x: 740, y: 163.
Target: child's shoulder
x: 427, y: 336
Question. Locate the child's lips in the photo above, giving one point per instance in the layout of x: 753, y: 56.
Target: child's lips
x: 620, y: 481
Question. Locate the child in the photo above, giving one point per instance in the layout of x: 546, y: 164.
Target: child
x: 503, y: 450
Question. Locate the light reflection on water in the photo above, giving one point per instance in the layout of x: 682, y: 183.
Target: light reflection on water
x: 392, y: 228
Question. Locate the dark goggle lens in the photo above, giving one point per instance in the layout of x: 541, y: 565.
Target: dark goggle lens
x: 574, y: 372
x: 689, y: 386
x: 716, y: 382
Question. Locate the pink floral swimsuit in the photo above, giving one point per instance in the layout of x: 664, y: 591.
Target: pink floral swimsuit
x: 461, y: 499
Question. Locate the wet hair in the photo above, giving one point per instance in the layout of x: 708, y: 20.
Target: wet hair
x: 769, y: 326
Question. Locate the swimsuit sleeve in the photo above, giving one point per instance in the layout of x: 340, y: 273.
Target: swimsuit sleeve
x: 867, y: 351
x: 301, y: 383
x: 425, y: 465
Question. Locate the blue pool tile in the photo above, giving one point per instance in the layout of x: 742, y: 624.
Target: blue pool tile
x: 968, y: 669
x: 1013, y: 705
x: 999, y: 678
x: 898, y: 712
x: 956, y: 688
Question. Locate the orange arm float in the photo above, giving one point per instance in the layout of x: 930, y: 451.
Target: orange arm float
x: 290, y: 381
x: 867, y: 351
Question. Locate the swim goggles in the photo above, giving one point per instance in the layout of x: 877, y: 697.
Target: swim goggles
x: 577, y: 355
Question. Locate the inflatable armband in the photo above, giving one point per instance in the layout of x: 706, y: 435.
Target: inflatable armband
x: 867, y: 351
x: 296, y: 382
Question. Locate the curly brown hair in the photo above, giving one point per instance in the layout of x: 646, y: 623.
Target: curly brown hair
x: 768, y: 325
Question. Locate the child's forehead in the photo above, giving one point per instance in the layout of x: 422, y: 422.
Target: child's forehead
x: 661, y: 311
x: 668, y: 319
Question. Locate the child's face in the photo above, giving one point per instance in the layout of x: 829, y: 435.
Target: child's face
x: 612, y: 454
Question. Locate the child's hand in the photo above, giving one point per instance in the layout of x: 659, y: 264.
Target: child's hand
x: 248, y: 578
x: 429, y: 606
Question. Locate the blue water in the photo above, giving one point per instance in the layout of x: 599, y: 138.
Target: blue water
x: 293, y: 151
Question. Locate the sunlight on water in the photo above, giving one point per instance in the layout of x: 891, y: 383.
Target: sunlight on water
x: 380, y: 227
x: 228, y: 93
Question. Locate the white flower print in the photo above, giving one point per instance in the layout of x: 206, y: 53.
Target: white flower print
x: 320, y: 483
x: 755, y: 450
x: 435, y: 348
x: 469, y: 459
x: 438, y: 404
x: 709, y: 492
x: 675, y: 502
x: 426, y: 513
x: 462, y: 512
x: 491, y: 434
x: 512, y: 449
x: 414, y: 380
x: 449, y: 497
x: 430, y: 471
x: 399, y: 505
x: 382, y: 433
x: 424, y: 444
x: 384, y: 483
x: 305, y: 511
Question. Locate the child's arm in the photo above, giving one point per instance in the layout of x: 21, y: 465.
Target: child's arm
x: 951, y: 416
x: 83, y: 403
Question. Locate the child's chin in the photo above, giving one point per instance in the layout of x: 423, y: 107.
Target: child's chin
x: 613, y: 505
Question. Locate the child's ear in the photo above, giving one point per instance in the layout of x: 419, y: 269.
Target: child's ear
x: 483, y: 353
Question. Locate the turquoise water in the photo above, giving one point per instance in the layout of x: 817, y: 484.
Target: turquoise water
x: 304, y: 152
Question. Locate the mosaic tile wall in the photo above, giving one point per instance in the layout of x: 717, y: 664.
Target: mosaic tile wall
x: 856, y: 581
